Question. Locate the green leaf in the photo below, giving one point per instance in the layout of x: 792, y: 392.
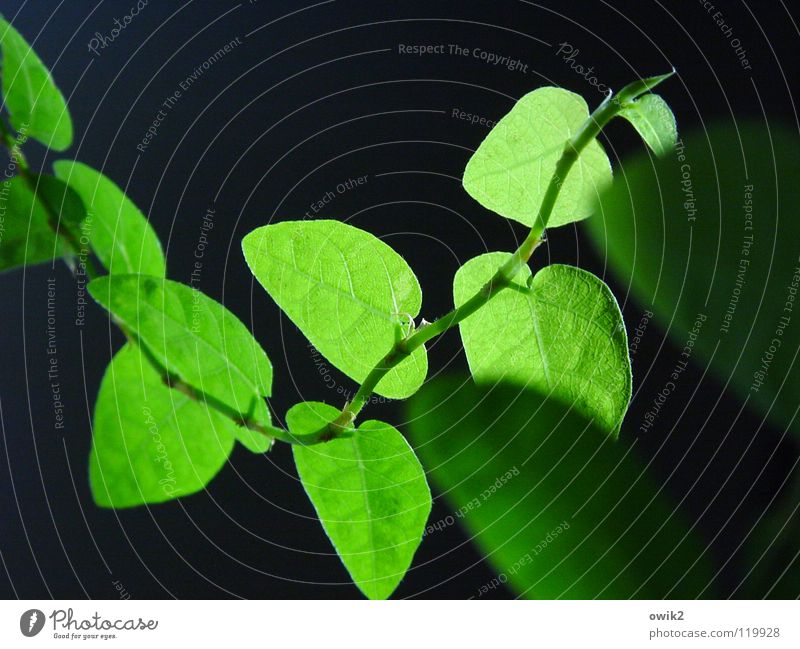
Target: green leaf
x: 653, y: 120
x: 370, y: 494
x: 560, y: 332
x: 558, y: 508
x: 346, y: 290
x: 120, y: 234
x: 62, y: 200
x: 311, y: 417
x: 707, y: 240
x: 510, y: 171
x: 151, y: 444
x: 25, y: 234
x: 35, y: 104
x: 196, y: 339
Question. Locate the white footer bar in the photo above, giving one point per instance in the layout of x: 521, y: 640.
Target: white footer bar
x: 403, y: 624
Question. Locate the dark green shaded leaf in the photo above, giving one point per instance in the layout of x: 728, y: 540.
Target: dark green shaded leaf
x: 26, y: 236
x: 60, y: 199
x: 710, y: 232
x: 559, y: 509
x: 120, y: 234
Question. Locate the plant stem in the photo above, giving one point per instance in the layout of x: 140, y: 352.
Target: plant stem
x: 590, y: 129
x: 240, y: 419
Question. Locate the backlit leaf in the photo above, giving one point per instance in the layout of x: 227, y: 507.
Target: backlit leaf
x: 653, y: 120
x: 35, y: 105
x: 346, y: 290
x: 557, y: 507
x: 196, y: 339
x: 560, y: 333
x: 120, y: 234
x: 151, y: 444
x: 370, y: 494
x: 510, y: 171
x: 310, y: 417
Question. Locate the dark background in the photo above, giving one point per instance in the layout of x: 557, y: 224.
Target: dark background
x: 314, y: 96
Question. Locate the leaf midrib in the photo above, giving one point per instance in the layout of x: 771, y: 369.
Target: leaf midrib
x: 192, y: 336
x: 365, y: 493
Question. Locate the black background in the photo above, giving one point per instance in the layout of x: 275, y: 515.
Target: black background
x: 311, y: 98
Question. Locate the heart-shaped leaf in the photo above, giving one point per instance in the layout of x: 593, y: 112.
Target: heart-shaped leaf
x: 347, y: 291
x: 370, y: 494
x: 560, y: 332
x: 510, y: 171
x: 151, y: 444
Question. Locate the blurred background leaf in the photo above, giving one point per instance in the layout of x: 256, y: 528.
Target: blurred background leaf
x: 679, y: 234
x: 558, y: 507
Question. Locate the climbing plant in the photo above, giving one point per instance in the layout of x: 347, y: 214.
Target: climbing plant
x: 191, y: 381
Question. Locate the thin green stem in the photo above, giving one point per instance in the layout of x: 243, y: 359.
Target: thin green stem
x: 240, y: 419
